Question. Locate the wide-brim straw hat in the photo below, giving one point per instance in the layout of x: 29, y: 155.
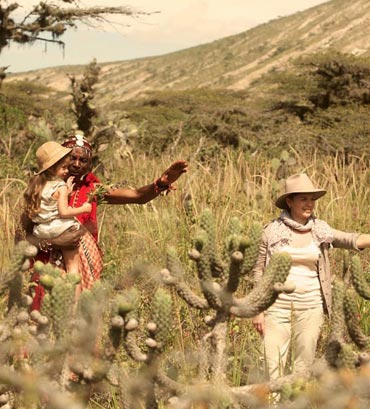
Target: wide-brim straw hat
x: 48, y: 154
x: 299, y: 183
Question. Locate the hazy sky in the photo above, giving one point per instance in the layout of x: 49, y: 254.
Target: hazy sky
x: 179, y: 24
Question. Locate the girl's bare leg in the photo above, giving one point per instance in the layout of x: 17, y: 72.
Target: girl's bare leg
x: 72, y: 264
x: 71, y: 261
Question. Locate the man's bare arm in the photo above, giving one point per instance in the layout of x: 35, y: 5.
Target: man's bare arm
x: 147, y: 193
x: 67, y: 240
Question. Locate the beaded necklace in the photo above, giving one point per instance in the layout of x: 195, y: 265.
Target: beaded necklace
x: 75, y: 197
x: 76, y: 193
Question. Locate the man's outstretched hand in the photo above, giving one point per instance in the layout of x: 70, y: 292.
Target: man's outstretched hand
x: 170, y: 175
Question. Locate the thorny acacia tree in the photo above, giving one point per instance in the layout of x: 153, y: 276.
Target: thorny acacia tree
x: 47, y: 22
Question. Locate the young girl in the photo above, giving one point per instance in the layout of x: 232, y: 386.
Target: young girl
x: 47, y: 199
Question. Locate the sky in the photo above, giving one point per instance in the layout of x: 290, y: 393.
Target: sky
x: 174, y: 25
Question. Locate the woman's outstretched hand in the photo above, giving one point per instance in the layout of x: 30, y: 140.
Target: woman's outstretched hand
x: 170, y: 175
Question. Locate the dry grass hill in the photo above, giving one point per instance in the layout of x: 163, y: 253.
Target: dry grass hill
x: 233, y: 62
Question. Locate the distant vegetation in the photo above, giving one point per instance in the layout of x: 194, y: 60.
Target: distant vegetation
x: 321, y: 104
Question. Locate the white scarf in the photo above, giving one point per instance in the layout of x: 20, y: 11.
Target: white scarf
x: 281, y: 231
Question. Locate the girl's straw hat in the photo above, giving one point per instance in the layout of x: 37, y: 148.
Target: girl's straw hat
x: 299, y: 183
x: 48, y: 154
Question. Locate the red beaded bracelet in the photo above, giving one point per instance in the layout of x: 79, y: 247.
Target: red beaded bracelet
x: 160, y: 187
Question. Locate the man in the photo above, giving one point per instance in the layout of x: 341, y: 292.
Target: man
x: 87, y: 236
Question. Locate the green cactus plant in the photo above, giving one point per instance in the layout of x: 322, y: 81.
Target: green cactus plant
x: 104, y: 339
x: 336, y: 338
x: 352, y: 319
x: 251, y: 251
x: 218, y: 290
x: 266, y: 292
x: 358, y: 278
x: 62, y: 300
x: 161, y: 317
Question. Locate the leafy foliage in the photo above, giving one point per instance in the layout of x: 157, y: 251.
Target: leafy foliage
x: 49, y: 18
x: 322, y: 81
x: 204, y: 118
x: 287, y: 115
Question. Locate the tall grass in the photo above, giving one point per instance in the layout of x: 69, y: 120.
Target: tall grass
x: 10, y: 203
x: 237, y: 185
x: 135, y: 237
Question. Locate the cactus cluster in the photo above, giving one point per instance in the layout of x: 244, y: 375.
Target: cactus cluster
x: 219, y: 277
x: 348, y: 345
x: 220, y: 274
x: 68, y: 346
x: 58, y: 356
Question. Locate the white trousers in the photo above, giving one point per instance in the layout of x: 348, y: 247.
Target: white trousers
x: 282, y: 327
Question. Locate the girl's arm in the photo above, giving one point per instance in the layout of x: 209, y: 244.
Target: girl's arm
x: 66, y: 211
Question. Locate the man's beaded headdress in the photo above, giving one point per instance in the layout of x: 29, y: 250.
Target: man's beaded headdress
x: 77, y: 139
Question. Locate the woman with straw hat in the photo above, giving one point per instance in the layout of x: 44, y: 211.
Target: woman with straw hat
x: 306, y: 239
x: 46, y: 199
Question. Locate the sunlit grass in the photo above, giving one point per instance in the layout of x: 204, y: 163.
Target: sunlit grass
x: 135, y: 237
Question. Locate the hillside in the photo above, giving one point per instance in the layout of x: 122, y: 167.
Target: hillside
x: 233, y: 62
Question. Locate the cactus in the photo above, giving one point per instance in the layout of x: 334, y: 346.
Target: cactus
x: 352, y: 320
x: 104, y: 339
x: 183, y: 290
x: 205, y: 273
x: 345, y: 324
x: 207, y: 223
x: 358, y: 279
x: 162, y: 306
x: 173, y: 263
x: 235, y: 270
x: 46, y: 307
x: 13, y: 275
x: 219, y: 295
x: 266, y: 292
x: 22, y: 252
x: 62, y: 299
x: 338, y: 320
x: 347, y: 357
x: 251, y: 251
x: 336, y: 337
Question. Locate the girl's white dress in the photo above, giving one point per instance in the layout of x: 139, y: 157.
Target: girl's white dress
x: 48, y: 223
